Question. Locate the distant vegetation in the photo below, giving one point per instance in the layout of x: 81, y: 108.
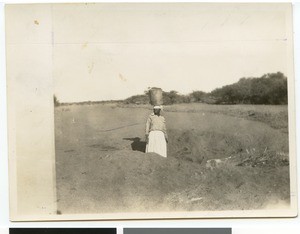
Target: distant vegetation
x: 270, y: 89
x: 173, y: 97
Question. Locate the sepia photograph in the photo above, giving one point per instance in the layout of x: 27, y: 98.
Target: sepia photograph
x: 151, y: 110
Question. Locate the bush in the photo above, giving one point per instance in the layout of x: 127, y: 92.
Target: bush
x: 268, y: 89
x: 138, y: 99
x: 197, y: 96
x: 174, y: 97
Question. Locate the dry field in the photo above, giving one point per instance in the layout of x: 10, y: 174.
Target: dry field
x: 219, y: 158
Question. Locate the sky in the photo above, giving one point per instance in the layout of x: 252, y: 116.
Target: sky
x: 113, y: 51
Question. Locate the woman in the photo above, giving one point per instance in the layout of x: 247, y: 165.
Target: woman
x: 156, y: 133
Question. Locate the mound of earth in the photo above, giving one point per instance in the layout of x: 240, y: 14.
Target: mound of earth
x: 139, y: 181
x: 148, y: 182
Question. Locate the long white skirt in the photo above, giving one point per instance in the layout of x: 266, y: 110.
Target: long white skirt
x: 157, y: 143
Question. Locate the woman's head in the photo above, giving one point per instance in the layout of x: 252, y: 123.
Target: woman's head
x: 156, y: 110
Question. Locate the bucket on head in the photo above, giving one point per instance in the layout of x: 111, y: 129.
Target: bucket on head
x: 156, y: 96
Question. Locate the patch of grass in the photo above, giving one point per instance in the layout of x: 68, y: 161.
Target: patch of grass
x: 275, y: 116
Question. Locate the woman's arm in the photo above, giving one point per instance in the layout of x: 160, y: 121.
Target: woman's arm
x: 165, y: 130
x: 148, y: 122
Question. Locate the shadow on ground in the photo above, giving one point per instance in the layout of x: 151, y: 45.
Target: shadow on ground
x: 137, y: 144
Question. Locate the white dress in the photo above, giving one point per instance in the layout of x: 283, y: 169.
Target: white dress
x: 157, y: 143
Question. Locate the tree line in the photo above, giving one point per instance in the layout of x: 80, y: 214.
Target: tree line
x: 270, y: 89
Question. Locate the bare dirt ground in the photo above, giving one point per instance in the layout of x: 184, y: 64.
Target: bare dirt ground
x: 219, y: 158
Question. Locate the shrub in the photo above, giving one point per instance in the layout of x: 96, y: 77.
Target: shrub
x: 138, y: 99
x: 269, y: 89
